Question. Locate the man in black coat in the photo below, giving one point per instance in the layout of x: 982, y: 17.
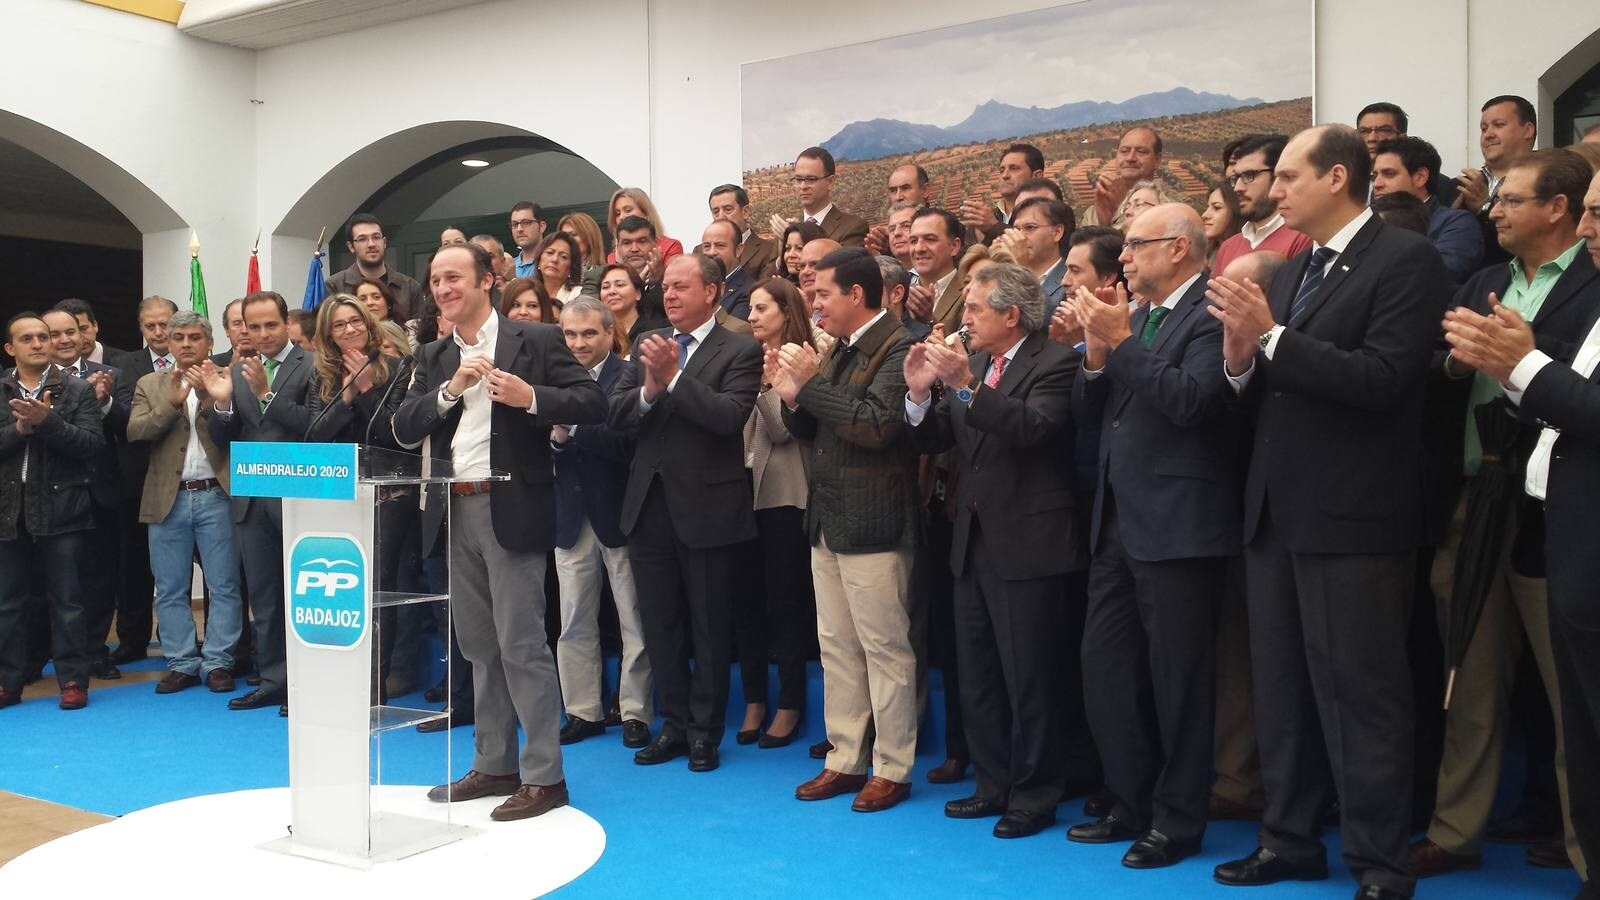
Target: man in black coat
x: 1007, y: 412
x: 1333, y: 358
x: 50, y: 432
x: 1166, y: 519
x: 688, y: 504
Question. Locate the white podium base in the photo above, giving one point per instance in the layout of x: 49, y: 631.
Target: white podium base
x: 216, y: 839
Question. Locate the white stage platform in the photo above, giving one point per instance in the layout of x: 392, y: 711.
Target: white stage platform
x: 215, y: 840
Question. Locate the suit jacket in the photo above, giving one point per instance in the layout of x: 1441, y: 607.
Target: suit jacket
x: 849, y: 230
x: 736, y: 290
x: 163, y: 429
x: 691, y: 440
x: 132, y: 458
x: 592, y: 473
x: 284, y: 419
x: 1053, y: 289
x: 1455, y: 235
x: 947, y: 306
x: 1009, y: 444
x: 522, y: 509
x: 1169, y: 444
x: 777, y: 460
x: 372, y: 413
x: 758, y: 256
x: 104, y: 487
x: 1337, y: 446
x: 60, y: 454
x: 731, y: 322
x: 863, y: 493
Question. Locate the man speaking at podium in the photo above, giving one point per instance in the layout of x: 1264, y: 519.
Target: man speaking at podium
x: 486, y: 398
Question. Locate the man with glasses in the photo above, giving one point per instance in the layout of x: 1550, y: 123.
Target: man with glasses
x: 1384, y: 121
x: 1039, y: 229
x: 527, y: 232
x: 1408, y: 165
x: 369, y: 245
x: 1252, y: 176
x: 813, y: 187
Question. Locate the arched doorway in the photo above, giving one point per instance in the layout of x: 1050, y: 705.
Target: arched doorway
x: 1572, y: 88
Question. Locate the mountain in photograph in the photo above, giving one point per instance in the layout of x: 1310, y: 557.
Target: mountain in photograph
x: 993, y: 120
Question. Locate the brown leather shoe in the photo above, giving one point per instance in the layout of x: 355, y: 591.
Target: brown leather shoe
x: 74, y: 695
x: 880, y: 794
x: 219, y: 681
x: 475, y: 784
x: 950, y: 771
x: 1223, y: 809
x: 531, y: 800
x: 173, y: 682
x: 1429, y: 859
x: 830, y: 784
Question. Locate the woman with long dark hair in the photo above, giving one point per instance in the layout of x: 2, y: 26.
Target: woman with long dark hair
x: 621, y: 289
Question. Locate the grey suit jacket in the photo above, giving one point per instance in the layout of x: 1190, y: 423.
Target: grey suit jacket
x: 284, y: 419
x: 777, y: 460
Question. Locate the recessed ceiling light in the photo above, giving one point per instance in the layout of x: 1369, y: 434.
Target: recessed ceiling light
x: 475, y: 163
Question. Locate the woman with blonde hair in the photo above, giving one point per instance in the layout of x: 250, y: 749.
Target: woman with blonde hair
x: 632, y: 201
x: 1142, y: 196
x: 347, y: 338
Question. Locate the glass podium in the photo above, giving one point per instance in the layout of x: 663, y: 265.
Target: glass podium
x: 333, y: 497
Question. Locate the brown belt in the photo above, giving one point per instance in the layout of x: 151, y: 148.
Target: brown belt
x: 204, y: 484
x: 469, y: 488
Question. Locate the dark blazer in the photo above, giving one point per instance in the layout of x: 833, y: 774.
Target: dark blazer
x: 284, y: 419
x: 863, y: 493
x: 1455, y: 235
x: 1053, y: 290
x: 692, y: 439
x: 1337, y: 444
x: 132, y: 458
x: 1169, y: 438
x: 61, y: 454
x: 349, y: 423
x: 1009, y: 445
x: 523, y: 508
x: 736, y: 290
x: 114, y: 424
x: 592, y: 473
x: 849, y: 230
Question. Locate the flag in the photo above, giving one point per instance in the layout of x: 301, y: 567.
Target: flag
x: 252, y: 277
x: 197, y: 282
x: 315, y: 289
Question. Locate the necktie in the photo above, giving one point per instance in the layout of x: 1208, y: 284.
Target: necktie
x: 996, y: 370
x: 73, y: 371
x: 684, y: 340
x: 1152, y: 325
x: 161, y: 363
x: 272, y: 370
x: 811, y: 219
x: 1308, y: 288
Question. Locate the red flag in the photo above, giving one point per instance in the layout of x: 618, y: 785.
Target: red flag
x: 252, y: 280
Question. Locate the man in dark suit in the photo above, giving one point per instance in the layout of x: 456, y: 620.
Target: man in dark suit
x: 1333, y: 358
x: 1166, y: 518
x: 813, y: 187
x: 136, y: 586
x: 1407, y: 165
x: 49, y: 434
x: 484, y: 399
x: 1552, y: 284
x: 936, y: 248
x: 688, y: 504
x: 1564, y: 472
x: 721, y: 242
x: 591, y: 475
x: 264, y: 398
x: 757, y: 255
x: 1007, y: 412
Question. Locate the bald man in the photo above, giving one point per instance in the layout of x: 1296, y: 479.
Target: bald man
x: 1165, y: 520
x: 810, y: 255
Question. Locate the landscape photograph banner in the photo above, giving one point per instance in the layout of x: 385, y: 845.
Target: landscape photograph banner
x: 1069, y: 79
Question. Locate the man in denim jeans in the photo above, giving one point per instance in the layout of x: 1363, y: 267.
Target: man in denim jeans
x: 185, y: 503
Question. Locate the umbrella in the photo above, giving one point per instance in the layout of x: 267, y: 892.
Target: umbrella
x: 1483, y: 534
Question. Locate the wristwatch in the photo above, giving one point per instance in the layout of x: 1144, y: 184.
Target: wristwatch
x: 1266, y: 339
x: 964, y: 395
x: 266, y: 399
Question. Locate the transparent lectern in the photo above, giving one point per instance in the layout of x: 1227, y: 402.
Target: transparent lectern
x: 332, y: 495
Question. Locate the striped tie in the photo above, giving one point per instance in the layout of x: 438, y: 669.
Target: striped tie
x: 1308, y: 288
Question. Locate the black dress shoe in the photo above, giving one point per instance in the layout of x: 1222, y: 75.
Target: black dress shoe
x: 1022, y: 823
x: 770, y: 741
x: 104, y: 669
x: 577, y: 729
x: 821, y: 749
x: 703, y: 756
x: 433, y: 726
x: 665, y: 749
x: 1108, y: 829
x: 437, y: 693
x: 127, y: 653
x: 1154, y: 850
x: 1099, y: 803
x: 255, y: 700
x: 283, y: 710
x: 1266, y: 867
x: 1373, y: 892
x: 635, y: 734
x: 973, y: 808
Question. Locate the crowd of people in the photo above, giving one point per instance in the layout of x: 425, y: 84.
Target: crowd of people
x: 1204, y: 507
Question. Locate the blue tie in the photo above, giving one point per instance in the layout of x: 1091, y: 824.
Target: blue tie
x: 1314, y: 272
x: 684, y: 340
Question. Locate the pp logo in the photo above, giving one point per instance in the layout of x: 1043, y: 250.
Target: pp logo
x: 328, y: 591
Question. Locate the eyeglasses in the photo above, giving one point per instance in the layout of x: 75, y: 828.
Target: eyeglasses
x: 1245, y: 176
x: 1132, y: 245
x: 808, y: 179
x: 368, y: 239
x: 521, y: 223
x: 1380, y: 131
x: 351, y: 324
x: 1511, y: 201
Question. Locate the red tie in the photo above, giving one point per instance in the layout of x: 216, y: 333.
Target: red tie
x: 995, y: 371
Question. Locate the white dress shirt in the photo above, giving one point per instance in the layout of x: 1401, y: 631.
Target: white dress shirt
x: 699, y: 335
x: 1340, y: 240
x: 195, y: 465
x: 98, y: 354
x: 817, y: 216
x: 1254, y: 234
x: 1538, y: 477
x: 915, y: 411
x: 469, y: 447
x: 162, y: 362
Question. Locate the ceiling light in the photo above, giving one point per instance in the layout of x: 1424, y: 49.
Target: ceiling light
x: 475, y: 163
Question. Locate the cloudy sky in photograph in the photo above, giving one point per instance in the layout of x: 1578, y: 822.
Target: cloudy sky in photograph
x: 1100, y: 50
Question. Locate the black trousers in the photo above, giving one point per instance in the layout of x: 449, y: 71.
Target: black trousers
x: 783, y: 615
x: 686, y: 608
x: 399, y: 527
x: 1575, y: 640
x: 1333, y: 693
x: 1149, y: 679
x: 1005, y: 636
x: 100, y: 581
x: 58, y: 559
x: 933, y: 626
x: 260, y: 541
x: 136, y: 588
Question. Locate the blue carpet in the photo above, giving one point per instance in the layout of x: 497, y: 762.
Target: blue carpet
x: 669, y: 832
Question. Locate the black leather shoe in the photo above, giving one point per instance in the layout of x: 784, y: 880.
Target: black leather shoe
x: 635, y: 734
x: 434, y: 726
x: 973, y: 808
x: 1022, y: 823
x: 1108, y: 829
x: 703, y: 756
x: 1373, y: 892
x: 255, y: 700
x: 821, y: 749
x: 104, y: 669
x: 1099, y: 803
x: 745, y: 738
x: 1154, y: 850
x: 665, y: 749
x: 283, y: 710
x: 577, y: 729
x: 1266, y: 867
x: 127, y: 653
x: 437, y: 693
